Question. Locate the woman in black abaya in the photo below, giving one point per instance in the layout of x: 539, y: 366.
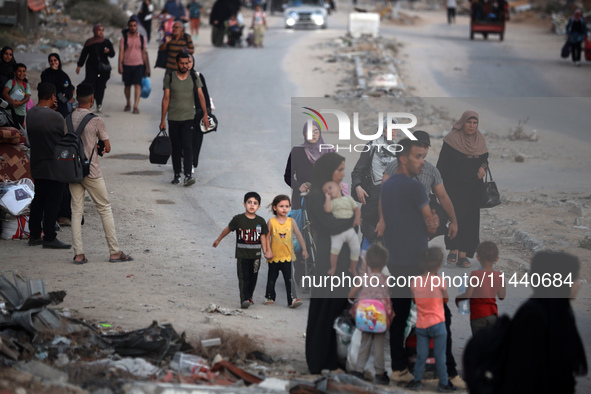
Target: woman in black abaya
x: 321, y: 343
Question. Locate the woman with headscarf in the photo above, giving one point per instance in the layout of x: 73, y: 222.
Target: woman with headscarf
x: 545, y: 348
x: 97, y: 50
x: 62, y: 82
x: 463, y: 162
x: 321, y: 343
x: 298, y: 175
x: 7, y: 65
x: 576, y: 31
x: 366, y: 182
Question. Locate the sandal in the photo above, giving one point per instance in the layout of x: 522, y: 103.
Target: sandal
x: 136, y: 111
x: 83, y: 261
x: 452, y: 258
x: 123, y: 257
x: 269, y: 301
x: 464, y: 263
x: 127, y: 108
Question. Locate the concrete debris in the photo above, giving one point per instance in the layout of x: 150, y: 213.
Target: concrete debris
x: 213, y: 308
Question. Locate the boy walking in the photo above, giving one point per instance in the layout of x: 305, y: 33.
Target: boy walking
x: 483, y: 303
x: 252, y: 234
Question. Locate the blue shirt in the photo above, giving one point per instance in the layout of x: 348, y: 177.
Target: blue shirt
x: 406, y: 234
x: 175, y: 8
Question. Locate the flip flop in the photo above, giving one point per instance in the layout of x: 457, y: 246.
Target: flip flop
x: 464, y: 263
x: 452, y: 258
x: 127, y: 108
x: 83, y: 261
x: 124, y: 257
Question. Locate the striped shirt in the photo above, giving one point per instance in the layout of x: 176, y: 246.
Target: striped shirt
x: 174, y: 47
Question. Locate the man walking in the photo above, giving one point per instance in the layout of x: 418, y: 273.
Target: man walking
x: 46, y: 127
x: 133, y: 63
x: 176, y: 43
x: 95, y: 131
x: 180, y: 101
x: 408, y: 220
x: 430, y: 177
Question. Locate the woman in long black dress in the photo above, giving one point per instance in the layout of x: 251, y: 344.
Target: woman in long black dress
x: 321, y: 343
x: 298, y: 175
x: 96, y: 50
x: 545, y: 348
x: 62, y: 82
x: 463, y: 162
x: 7, y: 65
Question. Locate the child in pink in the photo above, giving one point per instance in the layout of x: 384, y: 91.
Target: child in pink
x: 429, y: 292
x: 483, y: 303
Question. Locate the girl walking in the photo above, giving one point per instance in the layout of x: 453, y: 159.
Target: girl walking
x: 281, y: 230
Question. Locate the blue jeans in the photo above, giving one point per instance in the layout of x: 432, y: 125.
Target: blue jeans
x: 439, y: 334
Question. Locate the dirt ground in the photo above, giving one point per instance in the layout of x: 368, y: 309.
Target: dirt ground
x: 174, y: 275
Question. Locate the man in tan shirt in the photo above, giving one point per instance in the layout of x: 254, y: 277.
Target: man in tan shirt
x: 94, y: 132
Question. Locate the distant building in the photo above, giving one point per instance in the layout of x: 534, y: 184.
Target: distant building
x: 22, y: 14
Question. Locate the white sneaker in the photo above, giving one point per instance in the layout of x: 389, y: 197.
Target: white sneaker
x: 99, y: 109
x: 192, y: 170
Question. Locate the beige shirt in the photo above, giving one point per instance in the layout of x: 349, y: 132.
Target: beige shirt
x: 95, y: 130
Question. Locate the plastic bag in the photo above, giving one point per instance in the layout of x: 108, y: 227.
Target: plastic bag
x: 17, y: 197
x: 344, y: 328
x: 146, y: 87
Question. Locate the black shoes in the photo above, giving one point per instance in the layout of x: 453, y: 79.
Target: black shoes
x: 382, y: 379
x: 177, y: 179
x: 358, y: 375
x: 35, y: 241
x: 56, y: 244
x: 449, y: 388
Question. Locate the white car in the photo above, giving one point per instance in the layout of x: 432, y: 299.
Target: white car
x: 306, y: 13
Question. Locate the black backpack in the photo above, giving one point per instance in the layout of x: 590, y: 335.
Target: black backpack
x: 124, y: 34
x: 71, y: 164
x: 485, y: 357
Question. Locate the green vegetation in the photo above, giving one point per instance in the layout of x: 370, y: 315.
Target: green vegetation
x: 96, y: 11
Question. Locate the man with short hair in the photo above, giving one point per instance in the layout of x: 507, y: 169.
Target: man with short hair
x: 179, y: 102
x: 432, y: 182
x: 46, y: 128
x: 409, y: 220
x: 94, y: 132
x: 133, y: 63
x: 176, y: 43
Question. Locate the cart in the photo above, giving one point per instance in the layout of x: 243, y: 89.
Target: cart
x: 487, y: 27
x: 486, y: 19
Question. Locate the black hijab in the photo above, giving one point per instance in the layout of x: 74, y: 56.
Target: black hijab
x: 6, y: 68
x: 62, y: 82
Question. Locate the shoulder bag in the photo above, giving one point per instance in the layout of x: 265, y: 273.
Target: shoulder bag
x: 160, y: 149
x: 490, y: 193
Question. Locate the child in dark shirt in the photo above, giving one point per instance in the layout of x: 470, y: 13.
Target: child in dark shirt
x: 252, y: 234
